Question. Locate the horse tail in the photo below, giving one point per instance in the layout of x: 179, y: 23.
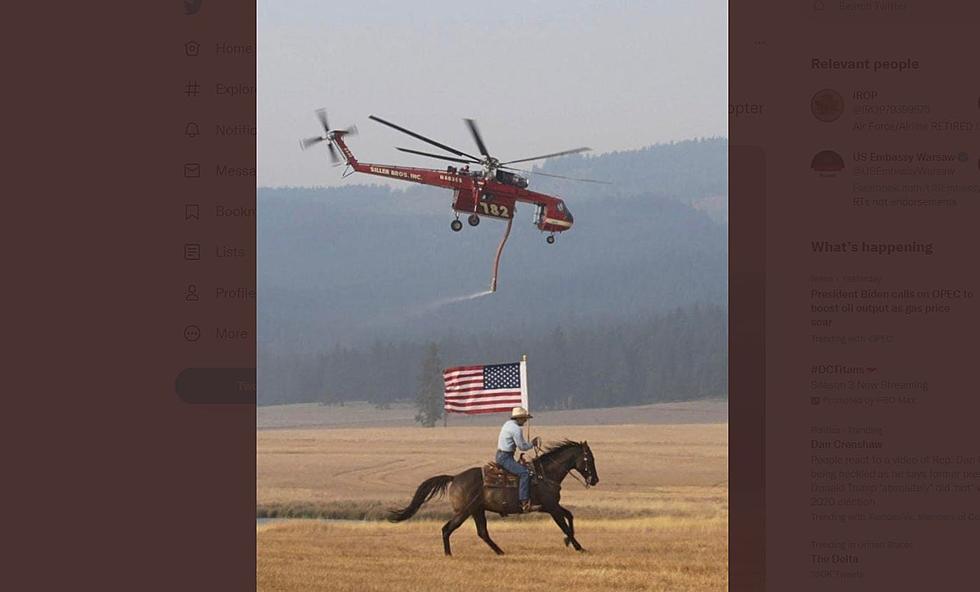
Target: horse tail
x: 429, y: 489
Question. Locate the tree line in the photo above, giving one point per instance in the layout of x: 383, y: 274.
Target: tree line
x: 676, y: 355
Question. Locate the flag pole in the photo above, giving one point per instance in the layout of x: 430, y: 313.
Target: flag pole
x: 527, y: 399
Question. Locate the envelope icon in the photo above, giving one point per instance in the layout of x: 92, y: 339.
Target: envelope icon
x: 192, y: 170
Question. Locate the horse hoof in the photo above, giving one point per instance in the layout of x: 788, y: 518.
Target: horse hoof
x: 568, y: 542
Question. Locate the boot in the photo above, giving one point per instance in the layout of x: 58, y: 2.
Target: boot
x: 526, y: 506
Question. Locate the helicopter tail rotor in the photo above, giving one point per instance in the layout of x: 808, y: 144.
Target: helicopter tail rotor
x: 328, y: 136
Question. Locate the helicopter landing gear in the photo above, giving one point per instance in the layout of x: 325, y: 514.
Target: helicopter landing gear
x: 551, y: 239
x: 474, y: 220
x: 456, y: 225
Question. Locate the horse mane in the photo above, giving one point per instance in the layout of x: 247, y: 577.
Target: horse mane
x: 559, y: 447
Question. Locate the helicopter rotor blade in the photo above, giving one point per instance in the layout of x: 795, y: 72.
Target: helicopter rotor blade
x: 552, y: 155
x: 556, y: 176
x: 439, y: 156
x: 477, y: 137
x: 307, y: 142
x: 321, y: 114
x: 424, y: 139
x: 333, y: 154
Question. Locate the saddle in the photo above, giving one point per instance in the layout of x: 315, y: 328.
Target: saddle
x: 495, y: 475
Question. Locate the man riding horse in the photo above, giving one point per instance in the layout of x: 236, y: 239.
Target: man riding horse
x: 470, y: 495
x: 510, y: 441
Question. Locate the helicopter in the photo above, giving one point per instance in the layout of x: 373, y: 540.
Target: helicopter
x: 491, y: 189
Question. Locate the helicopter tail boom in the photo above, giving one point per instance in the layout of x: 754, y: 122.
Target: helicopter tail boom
x: 338, y: 139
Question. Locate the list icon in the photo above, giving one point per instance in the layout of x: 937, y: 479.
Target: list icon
x: 192, y: 251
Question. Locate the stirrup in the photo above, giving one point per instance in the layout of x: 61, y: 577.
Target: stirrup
x: 527, y: 507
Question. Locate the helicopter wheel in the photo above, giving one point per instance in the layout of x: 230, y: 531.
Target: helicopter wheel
x: 456, y: 225
x: 474, y: 220
x: 550, y: 239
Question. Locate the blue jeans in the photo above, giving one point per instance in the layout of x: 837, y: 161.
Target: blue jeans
x: 506, y: 460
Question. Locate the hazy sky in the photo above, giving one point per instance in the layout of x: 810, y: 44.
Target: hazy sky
x: 538, y: 76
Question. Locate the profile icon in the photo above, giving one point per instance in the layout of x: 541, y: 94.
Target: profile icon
x: 192, y: 7
x: 827, y: 162
x: 827, y: 105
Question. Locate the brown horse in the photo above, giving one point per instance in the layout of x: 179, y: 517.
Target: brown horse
x: 470, y: 498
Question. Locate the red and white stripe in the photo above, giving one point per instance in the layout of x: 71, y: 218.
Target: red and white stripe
x: 465, y: 393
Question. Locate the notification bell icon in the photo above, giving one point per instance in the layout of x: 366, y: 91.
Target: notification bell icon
x: 192, y: 130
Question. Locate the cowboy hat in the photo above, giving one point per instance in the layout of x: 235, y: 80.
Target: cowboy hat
x: 519, y: 412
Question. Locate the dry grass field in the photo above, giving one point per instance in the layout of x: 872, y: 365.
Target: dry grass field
x: 656, y: 521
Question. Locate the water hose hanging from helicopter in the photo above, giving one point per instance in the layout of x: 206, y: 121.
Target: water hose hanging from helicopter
x: 500, y: 250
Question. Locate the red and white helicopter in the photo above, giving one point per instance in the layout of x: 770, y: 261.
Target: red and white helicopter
x: 491, y: 189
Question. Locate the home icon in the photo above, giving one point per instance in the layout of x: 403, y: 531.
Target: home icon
x: 192, y: 48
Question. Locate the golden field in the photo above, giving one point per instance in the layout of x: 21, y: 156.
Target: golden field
x: 656, y: 521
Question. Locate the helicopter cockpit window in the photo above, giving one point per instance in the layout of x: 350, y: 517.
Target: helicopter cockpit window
x: 561, y: 207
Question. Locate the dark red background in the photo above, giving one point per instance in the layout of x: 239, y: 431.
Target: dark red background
x: 111, y: 480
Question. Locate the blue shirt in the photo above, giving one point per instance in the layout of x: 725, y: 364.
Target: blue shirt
x: 511, y: 437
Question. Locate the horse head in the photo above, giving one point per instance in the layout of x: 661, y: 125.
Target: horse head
x: 585, y: 464
x: 563, y: 457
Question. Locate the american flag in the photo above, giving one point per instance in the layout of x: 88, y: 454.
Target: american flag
x: 485, y: 389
